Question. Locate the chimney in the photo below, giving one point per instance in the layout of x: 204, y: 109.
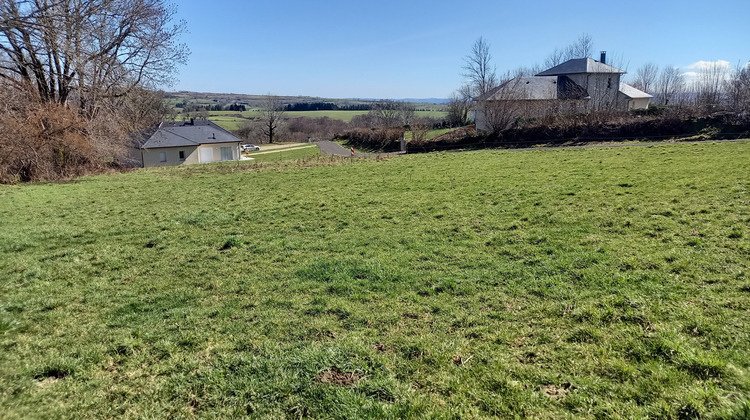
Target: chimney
x: 603, y: 58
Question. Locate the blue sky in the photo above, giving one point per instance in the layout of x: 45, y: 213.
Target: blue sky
x: 415, y: 48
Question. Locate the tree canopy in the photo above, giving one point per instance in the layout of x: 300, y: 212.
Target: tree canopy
x: 88, y: 49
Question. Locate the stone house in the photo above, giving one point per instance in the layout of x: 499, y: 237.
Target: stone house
x: 575, y: 86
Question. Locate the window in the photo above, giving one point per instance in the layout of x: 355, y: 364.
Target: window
x: 226, y: 153
x: 162, y: 156
x: 182, y: 155
x: 609, y: 83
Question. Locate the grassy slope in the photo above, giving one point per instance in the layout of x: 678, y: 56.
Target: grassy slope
x: 598, y: 282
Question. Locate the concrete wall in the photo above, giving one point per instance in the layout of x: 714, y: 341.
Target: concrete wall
x: 628, y: 103
x: 152, y: 157
x: 534, y: 109
x: 602, y: 88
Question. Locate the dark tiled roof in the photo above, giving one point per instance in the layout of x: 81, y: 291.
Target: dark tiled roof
x: 580, y: 65
x: 187, y: 133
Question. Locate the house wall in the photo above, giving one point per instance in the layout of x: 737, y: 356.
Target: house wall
x: 602, y: 88
x: 532, y: 109
x: 152, y: 157
x: 639, y: 103
x: 216, y: 150
x: 628, y: 103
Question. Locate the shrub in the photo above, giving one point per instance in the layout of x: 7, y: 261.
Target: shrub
x: 385, y: 139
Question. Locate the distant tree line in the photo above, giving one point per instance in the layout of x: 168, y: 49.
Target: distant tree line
x: 192, y: 107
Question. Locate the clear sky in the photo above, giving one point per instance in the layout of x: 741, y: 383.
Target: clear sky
x: 415, y: 48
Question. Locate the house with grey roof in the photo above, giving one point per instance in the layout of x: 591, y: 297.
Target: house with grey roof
x: 575, y: 86
x: 188, y: 142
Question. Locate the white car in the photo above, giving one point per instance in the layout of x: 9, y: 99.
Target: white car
x: 249, y: 148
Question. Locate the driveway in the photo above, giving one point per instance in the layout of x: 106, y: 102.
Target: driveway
x: 332, y: 148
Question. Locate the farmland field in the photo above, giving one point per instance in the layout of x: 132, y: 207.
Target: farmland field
x: 592, y: 283
x: 232, y: 120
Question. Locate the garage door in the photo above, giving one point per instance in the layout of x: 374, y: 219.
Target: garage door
x: 207, y: 154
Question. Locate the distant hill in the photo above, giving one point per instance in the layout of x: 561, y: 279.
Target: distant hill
x: 425, y: 100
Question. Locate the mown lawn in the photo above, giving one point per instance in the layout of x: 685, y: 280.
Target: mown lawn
x: 594, y: 283
x: 297, y: 152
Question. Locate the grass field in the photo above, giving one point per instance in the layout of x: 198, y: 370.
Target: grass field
x: 232, y: 120
x: 592, y: 283
x: 291, y: 153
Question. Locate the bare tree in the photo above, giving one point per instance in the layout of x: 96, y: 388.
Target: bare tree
x: 670, y: 85
x: 419, y: 128
x: 88, y: 50
x: 581, y: 48
x: 459, y: 106
x: 556, y: 57
x: 738, y: 88
x: 406, y: 113
x: 645, y: 77
x: 271, y: 114
x: 497, y: 110
x: 478, y: 68
x: 709, y: 85
x: 385, y: 113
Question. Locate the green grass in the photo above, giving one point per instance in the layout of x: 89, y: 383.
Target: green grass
x: 232, y: 120
x: 430, y: 134
x: 593, y: 283
x: 228, y: 122
x: 285, y: 154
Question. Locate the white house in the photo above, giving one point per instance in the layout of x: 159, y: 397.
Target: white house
x: 188, y: 142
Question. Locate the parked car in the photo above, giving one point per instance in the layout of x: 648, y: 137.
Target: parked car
x: 249, y: 148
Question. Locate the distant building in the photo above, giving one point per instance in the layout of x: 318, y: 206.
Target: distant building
x: 575, y: 86
x: 188, y: 142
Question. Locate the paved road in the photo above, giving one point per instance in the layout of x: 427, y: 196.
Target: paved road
x: 282, y: 150
x: 331, y: 148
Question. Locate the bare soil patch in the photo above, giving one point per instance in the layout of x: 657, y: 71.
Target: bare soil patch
x: 337, y: 377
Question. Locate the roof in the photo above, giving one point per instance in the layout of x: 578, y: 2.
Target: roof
x: 580, y: 65
x: 632, y: 92
x: 537, y: 88
x: 188, y: 133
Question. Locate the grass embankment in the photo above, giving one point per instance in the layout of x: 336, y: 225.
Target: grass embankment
x: 589, y: 283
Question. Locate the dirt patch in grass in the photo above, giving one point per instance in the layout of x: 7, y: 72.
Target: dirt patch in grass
x: 339, y: 378
x: 556, y: 392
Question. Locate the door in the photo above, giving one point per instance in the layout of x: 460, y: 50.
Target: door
x: 226, y: 154
x: 207, y: 154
